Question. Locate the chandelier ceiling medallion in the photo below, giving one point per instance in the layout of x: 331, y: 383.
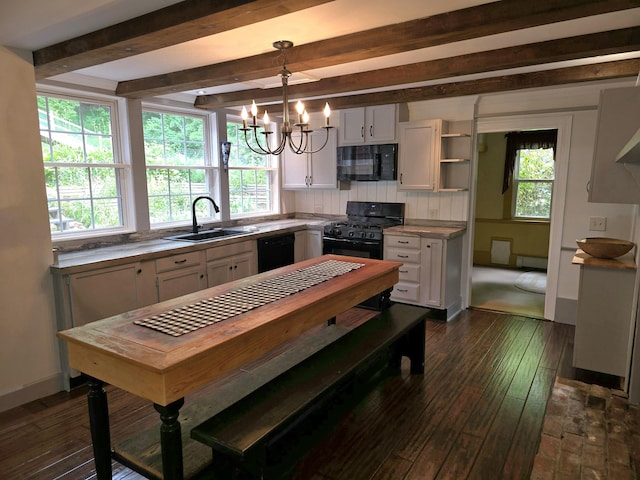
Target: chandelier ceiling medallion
x: 295, y: 136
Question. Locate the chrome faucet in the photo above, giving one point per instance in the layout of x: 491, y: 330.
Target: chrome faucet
x: 196, y: 227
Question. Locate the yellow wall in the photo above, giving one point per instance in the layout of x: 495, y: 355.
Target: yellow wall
x: 527, y: 238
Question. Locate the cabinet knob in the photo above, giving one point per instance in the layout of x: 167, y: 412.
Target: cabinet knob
x: 139, y: 271
x: 428, y: 246
x: 371, y: 130
x: 362, y: 131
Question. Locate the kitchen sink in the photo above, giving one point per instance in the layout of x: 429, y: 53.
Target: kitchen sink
x: 206, y: 235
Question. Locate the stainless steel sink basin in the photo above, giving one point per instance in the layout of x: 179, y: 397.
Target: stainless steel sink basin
x: 206, y: 235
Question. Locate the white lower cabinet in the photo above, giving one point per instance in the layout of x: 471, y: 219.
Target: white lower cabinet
x: 180, y: 274
x: 231, y: 262
x: 308, y: 245
x: 430, y: 271
x: 606, y: 320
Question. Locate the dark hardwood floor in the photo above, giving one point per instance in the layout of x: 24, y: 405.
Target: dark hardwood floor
x: 476, y: 413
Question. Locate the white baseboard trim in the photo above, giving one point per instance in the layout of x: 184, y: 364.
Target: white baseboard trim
x: 34, y: 391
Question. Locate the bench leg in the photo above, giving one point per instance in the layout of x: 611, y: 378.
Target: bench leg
x: 415, y: 344
x: 99, y: 424
x: 171, y: 440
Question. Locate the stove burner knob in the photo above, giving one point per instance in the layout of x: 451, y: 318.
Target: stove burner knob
x: 351, y: 234
x: 337, y: 231
x: 362, y: 234
x: 371, y: 235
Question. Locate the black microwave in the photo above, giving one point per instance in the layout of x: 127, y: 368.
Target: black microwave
x: 368, y: 162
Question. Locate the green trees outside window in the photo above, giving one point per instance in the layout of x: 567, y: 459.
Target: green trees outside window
x: 178, y: 169
x: 251, y: 176
x: 533, y: 183
x: 83, y: 174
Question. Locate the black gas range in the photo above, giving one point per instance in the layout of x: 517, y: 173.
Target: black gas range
x: 360, y: 235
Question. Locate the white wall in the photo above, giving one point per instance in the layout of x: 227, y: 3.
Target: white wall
x: 28, y: 347
x: 577, y: 101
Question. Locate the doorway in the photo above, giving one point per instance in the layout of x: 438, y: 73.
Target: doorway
x: 503, y: 245
x: 516, y: 171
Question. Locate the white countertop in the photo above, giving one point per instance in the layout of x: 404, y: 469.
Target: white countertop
x: 88, y: 259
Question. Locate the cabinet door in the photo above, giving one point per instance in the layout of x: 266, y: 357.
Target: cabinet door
x: 180, y: 282
x: 323, y: 172
x: 417, y: 155
x: 294, y: 170
x: 219, y: 271
x: 618, y: 117
x: 314, y: 243
x: 380, y: 124
x: 432, y: 272
x: 102, y: 293
x: 243, y: 265
x: 351, y: 131
x: 300, y: 246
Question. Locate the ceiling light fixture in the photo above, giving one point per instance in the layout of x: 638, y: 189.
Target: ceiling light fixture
x: 298, y: 144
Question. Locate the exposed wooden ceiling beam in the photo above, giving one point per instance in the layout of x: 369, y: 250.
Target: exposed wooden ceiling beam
x: 178, y: 23
x: 464, y: 24
x: 605, y: 43
x: 504, y: 83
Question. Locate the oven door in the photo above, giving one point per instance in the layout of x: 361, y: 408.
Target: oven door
x: 352, y: 248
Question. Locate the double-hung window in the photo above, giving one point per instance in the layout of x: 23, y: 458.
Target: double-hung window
x: 252, y: 176
x: 533, y: 183
x: 178, y: 165
x: 84, y: 175
x: 530, y: 170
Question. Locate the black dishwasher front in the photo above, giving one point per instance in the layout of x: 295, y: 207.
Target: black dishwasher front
x: 276, y: 251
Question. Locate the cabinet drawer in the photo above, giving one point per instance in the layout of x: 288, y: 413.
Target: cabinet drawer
x: 410, y: 272
x: 177, y: 261
x: 401, y: 241
x: 406, y: 291
x: 402, y: 255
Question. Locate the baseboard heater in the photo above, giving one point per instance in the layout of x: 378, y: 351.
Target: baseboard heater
x: 531, y: 262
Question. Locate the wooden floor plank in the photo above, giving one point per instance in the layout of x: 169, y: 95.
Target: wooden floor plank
x: 476, y: 413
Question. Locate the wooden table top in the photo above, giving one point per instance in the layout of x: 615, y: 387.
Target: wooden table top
x: 163, y: 368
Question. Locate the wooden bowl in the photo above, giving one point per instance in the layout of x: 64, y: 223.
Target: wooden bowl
x: 603, y: 247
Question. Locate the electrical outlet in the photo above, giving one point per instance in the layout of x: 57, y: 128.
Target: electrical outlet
x: 598, y: 224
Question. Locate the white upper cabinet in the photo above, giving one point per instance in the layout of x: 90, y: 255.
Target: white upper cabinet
x: 615, y: 181
x: 418, y: 150
x: 373, y: 125
x: 312, y: 170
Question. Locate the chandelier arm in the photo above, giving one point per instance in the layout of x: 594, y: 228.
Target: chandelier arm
x: 301, y: 148
x: 326, y: 140
x: 262, y: 151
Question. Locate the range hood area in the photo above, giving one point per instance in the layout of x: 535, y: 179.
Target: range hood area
x: 630, y: 153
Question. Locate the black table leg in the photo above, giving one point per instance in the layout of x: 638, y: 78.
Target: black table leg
x: 99, y: 423
x: 331, y: 321
x: 171, y: 440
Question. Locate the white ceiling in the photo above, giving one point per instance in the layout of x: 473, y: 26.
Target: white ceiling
x: 33, y: 24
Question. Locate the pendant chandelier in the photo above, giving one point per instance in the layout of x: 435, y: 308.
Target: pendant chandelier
x: 295, y: 136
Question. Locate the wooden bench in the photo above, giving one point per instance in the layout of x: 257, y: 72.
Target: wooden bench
x: 262, y: 435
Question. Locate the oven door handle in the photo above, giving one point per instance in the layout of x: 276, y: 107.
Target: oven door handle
x: 346, y: 241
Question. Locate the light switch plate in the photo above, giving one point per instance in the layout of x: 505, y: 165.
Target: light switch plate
x: 598, y: 224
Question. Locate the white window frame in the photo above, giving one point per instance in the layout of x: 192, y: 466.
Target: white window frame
x: 273, y: 173
x: 120, y: 164
x: 517, y: 181
x: 210, y: 167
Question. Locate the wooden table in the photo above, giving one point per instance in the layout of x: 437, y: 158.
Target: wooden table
x: 164, y: 369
